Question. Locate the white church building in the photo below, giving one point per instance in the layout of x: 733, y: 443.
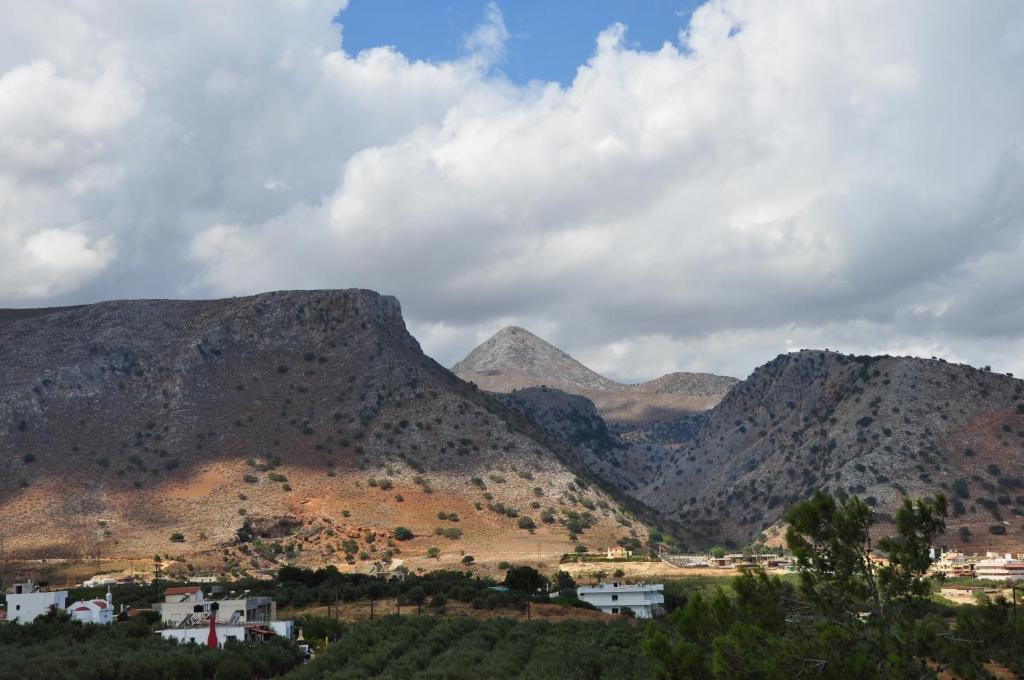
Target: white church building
x: 93, y: 611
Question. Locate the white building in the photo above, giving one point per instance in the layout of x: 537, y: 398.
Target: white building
x: 93, y: 611
x: 25, y: 602
x: 200, y: 635
x: 644, y: 599
x: 1000, y: 569
x: 189, y: 612
x: 187, y: 606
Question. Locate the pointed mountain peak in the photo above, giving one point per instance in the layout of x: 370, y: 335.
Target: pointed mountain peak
x: 514, y: 357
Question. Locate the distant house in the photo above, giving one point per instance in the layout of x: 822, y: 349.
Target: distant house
x: 93, y: 611
x: 26, y: 602
x: 645, y: 600
x: 1004, y: 568
x: 388, y: 572
x: 186, y: 605
x: 618, y: 553
x: 953, y: 565
x: 195, y: 619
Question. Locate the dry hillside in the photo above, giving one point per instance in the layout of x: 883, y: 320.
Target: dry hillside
x: 311, y: 418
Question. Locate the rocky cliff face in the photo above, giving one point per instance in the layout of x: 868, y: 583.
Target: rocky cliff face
x: 124, y: 422
x: 879, y: 427
x: 514, y: 359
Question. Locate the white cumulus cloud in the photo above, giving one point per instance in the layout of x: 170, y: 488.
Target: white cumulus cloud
x: 847, y: 175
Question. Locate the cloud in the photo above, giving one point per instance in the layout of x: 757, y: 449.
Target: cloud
x: 839, y: 175
x: 486, y: 43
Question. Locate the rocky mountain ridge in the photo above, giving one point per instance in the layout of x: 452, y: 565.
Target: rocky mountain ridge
x: 879, y: 427
x: 514, y: 359
x: 124, y: 423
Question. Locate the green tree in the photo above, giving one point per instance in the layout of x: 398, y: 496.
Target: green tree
x: 525, y: 579
x: 564, y: 581
x: 849, y: 617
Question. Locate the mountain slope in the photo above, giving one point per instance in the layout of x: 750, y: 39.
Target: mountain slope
x: 514, y: 359
x: 878, y: 427
x: 122, y: 423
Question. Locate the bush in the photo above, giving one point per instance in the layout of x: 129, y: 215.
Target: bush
x: 467, y: 559
x: 403, y: 534
x: 177, y: 537
x: 961, y: 488
x: 580, y: 548
x: 997, y: 529
x: 526, y: 523
x: 29, y: 457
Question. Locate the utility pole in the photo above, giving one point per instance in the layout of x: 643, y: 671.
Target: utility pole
x: 156, y: 578
x: 3, y: 563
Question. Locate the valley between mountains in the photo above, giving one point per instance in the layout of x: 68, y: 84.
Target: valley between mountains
x: 309, y: 427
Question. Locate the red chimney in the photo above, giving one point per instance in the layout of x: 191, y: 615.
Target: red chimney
x: 211, y: 641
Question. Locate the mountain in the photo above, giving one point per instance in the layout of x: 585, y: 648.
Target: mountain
x: 690, y: 384
x: 514, y: 358
x: 298, y: 425
x: 880, y: 427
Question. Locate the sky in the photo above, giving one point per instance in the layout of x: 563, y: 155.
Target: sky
x: 652, y: 186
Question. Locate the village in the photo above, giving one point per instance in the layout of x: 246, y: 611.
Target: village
x: 215, y: 615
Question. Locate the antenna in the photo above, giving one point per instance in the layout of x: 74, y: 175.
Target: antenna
x: 3, y: 562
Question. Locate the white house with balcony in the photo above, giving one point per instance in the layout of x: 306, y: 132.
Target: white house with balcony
x: 188, y: 606
x: 26, y: 602
x: 643, y: 599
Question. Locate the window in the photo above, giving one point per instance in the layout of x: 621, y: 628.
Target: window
x: 615, y: 610
x: 615, y: 598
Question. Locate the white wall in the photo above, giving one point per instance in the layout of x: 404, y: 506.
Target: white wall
x: 24, y: 608
x: 199, y: 636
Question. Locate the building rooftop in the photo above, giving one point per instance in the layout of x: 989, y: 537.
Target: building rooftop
x: 624, y: 586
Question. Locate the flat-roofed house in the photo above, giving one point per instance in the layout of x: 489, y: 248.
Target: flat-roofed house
x: 1004, y: 568
x: 188, y: 604
x: 644, y: 599
x: 26, y: 602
